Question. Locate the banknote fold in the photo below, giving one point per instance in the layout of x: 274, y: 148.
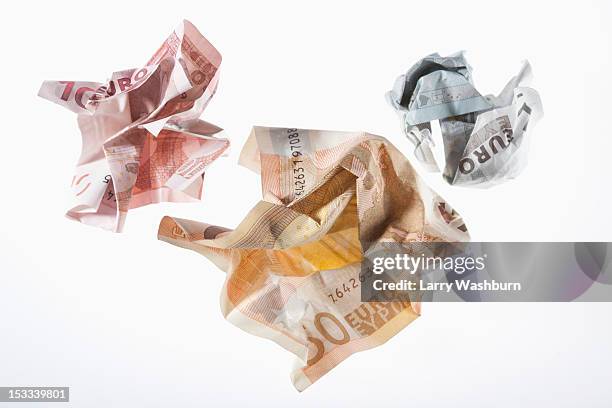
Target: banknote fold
x: 483, y: 138
x: 142, y: 140
x: 294, y: 263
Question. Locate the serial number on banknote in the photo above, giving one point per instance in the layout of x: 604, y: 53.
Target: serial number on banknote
x: 299, y: 174
x: 346, y: 287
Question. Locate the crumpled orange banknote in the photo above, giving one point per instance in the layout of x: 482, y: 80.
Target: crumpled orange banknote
x: 142, y: 140
x: 293, y: 263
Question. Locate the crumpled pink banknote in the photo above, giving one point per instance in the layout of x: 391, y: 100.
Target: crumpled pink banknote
x: 142, y: 140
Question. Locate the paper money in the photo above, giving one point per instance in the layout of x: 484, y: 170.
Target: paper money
x: 293, y: 263
x: 142, y: 140
x: 484, y: 138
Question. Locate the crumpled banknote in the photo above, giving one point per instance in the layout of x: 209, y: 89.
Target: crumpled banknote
x: 484, y: 137
x: 142, y: 140
x: 293, y: 263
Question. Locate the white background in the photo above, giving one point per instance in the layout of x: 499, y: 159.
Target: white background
x: 128, y: 321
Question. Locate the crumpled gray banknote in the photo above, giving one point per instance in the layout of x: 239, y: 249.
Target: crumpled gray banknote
x: 483, y: 137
